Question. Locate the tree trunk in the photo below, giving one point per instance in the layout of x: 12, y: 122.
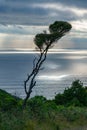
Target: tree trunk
x: 25, y: 101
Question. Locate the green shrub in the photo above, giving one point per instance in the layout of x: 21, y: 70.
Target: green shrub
x: 36, y: 105
x: 7, y: 101
x: 75, y: 95
x: 50, y: 105
x: 59, y: 99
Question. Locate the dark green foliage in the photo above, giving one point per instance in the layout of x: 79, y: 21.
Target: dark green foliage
x: 60, y: 27
x: 57, y: 30
x: 71, y: 113
x: 41, y: 102
x: 59, y: 99
x: 40, y: 107
x: 41, y: 114
x: 42, y: 40
x: 64, y: 118
x: 75, y: 95
x: 36, y: 105
x: 50, y: 105
x: 7, y: 101
x: 36, y: 101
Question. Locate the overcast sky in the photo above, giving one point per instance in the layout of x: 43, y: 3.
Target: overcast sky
x: 21, y: 20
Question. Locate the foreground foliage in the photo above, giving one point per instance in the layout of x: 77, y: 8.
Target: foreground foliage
x: 48, y: 118
x: 43, y: 114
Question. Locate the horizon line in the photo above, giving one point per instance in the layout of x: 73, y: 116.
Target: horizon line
x: 55, y: 51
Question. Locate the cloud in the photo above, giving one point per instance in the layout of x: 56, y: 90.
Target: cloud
x: 61, y: 7
x: 18, y: 36
x: 80, y: 25
x: 55, y: 78
x: 22, y: 29
x: 55, y: 8
x: 40, y: 12
x: 30, y: 17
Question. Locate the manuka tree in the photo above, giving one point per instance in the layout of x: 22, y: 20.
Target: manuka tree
x: 44, y: 42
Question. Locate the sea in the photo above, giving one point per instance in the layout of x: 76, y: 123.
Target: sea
x: 58, y: 72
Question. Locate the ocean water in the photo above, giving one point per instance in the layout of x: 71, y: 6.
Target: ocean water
x: 59, y: 70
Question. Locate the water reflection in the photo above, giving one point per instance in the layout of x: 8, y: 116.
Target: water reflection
x: 60, y: 69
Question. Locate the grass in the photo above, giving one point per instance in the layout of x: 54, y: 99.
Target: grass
x: 61, y: 119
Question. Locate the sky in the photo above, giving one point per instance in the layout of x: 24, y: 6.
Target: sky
x: 21, y: 20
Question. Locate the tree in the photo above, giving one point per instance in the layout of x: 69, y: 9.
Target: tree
x: 75, y: 95
x: 44, y: 42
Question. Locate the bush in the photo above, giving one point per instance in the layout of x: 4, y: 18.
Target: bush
x: 59, y: 99
x: 7, y: 101
x: 36, y: 106
x: 75, y: 95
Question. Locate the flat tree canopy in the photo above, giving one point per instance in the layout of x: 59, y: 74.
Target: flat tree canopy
x: 56, y: 31
x: 44, y: 41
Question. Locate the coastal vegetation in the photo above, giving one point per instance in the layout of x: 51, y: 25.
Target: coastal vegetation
x: 67, y: 111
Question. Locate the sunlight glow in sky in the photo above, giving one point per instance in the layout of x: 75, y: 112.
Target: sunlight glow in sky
x: 54, y: 77
x: 21, y: 20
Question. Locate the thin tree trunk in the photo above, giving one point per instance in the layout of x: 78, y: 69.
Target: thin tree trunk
x: 25, y: 100
x: 31, y: 77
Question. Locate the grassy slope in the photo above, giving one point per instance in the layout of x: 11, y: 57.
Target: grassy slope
x: 7, y: 101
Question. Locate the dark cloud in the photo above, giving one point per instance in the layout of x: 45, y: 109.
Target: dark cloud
x: 69, y: 2
x: 23, y: 12
x: 6, y: 9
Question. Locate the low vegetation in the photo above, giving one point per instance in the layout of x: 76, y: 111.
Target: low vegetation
x: 68, y: 111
